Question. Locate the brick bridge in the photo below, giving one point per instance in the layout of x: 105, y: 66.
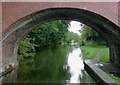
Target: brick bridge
x: 19, y: 18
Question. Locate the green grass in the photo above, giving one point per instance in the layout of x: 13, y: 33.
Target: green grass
x: 91, y: 51
x: 116, y: 78
x: 104, y: 55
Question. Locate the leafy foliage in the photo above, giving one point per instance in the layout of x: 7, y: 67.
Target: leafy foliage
x: 88, y: 34
x: 26, y: 49
x: 70, y: 36
x: 50, y: 33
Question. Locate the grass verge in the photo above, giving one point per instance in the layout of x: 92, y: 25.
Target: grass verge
x: 104, y: 55
x: 91, y: 52
x: 116, y: 78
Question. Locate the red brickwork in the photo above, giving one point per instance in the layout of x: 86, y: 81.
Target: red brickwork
x: 13, y: 11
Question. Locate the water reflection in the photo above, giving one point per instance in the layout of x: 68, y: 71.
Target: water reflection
x: 75, y: 62
x: 59, y: 64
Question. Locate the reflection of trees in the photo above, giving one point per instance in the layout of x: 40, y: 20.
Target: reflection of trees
x: 48, y: 66
x: 85, y: 78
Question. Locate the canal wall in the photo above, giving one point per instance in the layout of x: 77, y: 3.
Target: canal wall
x: 100, y: 76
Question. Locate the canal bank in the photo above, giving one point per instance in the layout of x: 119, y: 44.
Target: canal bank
x: 100, y: 76
x: 58, y: 64
x: 99, y: 56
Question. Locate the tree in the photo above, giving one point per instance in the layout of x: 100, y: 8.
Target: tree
x: 73, y: 37
x: 88, y: 34
x: 49, y: 33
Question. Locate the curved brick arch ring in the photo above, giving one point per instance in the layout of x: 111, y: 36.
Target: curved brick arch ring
x: 12, y: 36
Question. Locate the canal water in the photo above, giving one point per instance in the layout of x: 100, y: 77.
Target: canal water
x: 58, y: 64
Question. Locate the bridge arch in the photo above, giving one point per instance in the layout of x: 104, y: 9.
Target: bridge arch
x: 12, y: 36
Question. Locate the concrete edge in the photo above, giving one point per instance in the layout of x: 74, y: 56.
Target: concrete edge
x: 99, y: 75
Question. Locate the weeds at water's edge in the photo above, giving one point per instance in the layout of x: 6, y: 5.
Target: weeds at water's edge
x: 116, y: 78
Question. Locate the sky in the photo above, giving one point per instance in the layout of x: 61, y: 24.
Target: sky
x: 75, y: 27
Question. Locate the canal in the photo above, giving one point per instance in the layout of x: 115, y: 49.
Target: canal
x: 57, y: 64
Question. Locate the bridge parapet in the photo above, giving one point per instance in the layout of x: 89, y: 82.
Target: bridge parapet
x: 13, y: 11
x: 92, y: 14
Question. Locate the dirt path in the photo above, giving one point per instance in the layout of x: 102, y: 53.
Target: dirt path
x: 107, y: 67
x: 96, y: 59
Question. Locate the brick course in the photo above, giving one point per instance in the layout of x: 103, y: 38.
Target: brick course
x: 13, y: 11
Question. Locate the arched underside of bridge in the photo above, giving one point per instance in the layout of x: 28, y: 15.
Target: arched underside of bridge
x: 17, y: 31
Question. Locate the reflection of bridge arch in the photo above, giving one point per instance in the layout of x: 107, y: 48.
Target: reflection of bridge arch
x: 17, y: 31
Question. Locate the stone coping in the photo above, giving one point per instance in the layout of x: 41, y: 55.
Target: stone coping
x: 99, y: 75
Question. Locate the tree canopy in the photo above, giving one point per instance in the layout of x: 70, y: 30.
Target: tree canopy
x: 88, y: 34
x: 49, y: 33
